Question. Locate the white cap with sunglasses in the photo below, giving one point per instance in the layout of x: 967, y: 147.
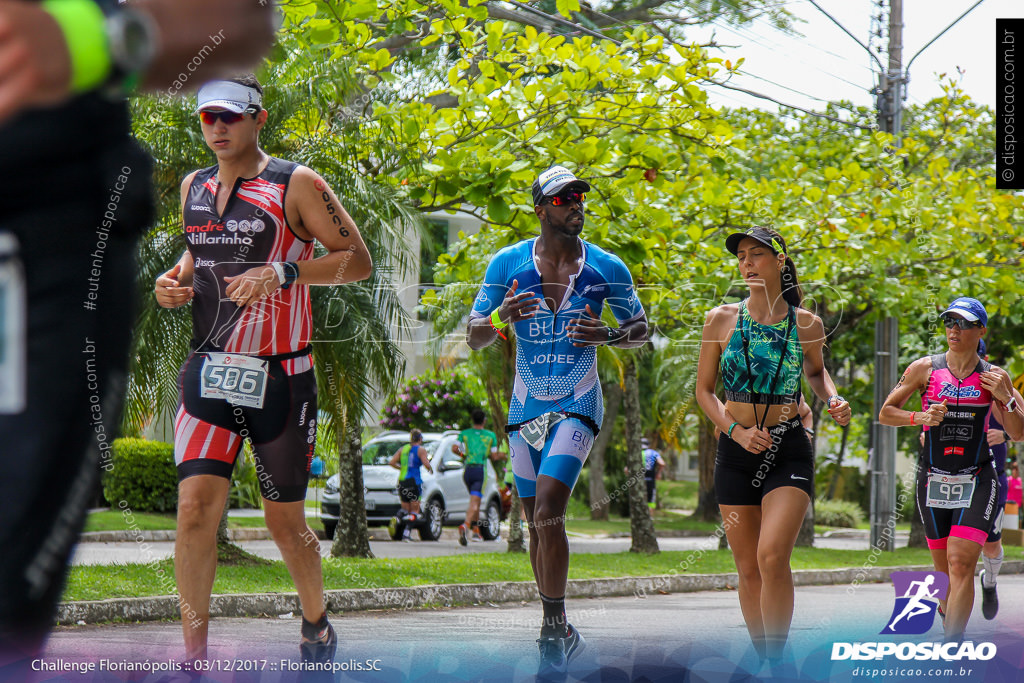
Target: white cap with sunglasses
x: 229, y: 95
x: 555, y: 180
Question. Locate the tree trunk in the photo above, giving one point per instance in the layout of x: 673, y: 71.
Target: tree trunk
x: 917, y: 537
x: 707, y: 503
x: 640, y: 524
x: 599, y: 501
x: 806, y: 536
x: 352, y: 538
x: 839, y: 464
x: 515, y: 524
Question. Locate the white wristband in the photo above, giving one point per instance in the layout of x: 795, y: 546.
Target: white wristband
x: 279, y: 269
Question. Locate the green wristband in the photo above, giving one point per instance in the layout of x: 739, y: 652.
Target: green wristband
x: 732, y: 427
x: 496, y: 320
x: 84, y: 28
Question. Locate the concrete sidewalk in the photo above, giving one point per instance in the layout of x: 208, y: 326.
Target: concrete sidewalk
x: 377, y: 598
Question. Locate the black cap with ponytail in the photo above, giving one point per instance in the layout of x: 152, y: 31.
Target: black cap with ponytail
x: 791, y: 290
x: 770, y: 238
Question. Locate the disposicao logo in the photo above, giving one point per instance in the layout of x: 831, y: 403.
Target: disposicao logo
x: 917, y: 598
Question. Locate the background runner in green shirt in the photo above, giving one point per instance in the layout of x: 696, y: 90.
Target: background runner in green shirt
x: 475, y: 445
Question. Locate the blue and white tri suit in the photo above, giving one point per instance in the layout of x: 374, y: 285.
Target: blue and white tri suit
x: 552, y: 375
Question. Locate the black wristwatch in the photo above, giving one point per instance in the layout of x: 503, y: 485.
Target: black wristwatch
x: 291, y: 273
x: 615, y: 335
x: 132, y: 37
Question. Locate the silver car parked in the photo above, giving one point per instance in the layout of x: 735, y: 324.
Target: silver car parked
x: 444, y: 497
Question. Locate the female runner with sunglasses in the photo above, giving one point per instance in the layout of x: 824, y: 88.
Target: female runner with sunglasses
x: 957, y: 483
x: 764, y: 469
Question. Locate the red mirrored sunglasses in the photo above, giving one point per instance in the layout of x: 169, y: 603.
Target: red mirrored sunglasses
x: 568, y: 198
x: 228, y: 117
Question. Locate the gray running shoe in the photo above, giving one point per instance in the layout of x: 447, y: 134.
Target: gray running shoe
x: 555, y: 652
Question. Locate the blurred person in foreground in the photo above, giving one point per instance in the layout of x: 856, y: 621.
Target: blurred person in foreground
x: 73, y: 205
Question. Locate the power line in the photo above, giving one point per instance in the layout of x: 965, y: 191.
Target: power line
x: 754, y: 93
x: 836, y: 22
x: 848, y: 107
x: 843, y: 58
x: 776, y: 48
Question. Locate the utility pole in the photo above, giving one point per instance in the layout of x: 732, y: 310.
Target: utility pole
x: 883, y: 461
x: 892, y: 82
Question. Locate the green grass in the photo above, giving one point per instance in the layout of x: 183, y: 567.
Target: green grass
x: 98, y: 582
x: 865, y: 526
x: 620, y: 525
x: 114, y: 520
x: 678, y: 495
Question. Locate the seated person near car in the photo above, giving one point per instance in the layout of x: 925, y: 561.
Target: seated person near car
x: 407, y: 460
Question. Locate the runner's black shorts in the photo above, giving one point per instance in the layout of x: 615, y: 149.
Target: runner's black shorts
x: 408, y: 490
x: 649, y: 481
x: 973, y: 522
x: 743, y: 478
x: 473, y: 478
x: 208, y: 432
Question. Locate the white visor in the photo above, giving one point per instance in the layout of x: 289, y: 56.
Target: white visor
x: 967, y: 315
x: 228, y: 95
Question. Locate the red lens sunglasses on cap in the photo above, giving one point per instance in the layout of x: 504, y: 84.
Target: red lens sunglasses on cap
x: 228, y: 117
x: 568, y: 198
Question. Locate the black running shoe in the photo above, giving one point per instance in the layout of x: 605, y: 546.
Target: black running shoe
x: 555, y: 652
x: 989, y: 599
x: 321, y: 649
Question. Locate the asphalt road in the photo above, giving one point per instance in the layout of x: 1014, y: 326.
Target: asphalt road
x: 684, y: 637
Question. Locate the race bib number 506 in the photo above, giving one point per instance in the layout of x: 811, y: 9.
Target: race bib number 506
x: 239, y: 380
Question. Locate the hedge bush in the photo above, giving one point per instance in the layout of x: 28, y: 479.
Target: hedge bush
x: 432, y: 402
x: 143, y: 476
x: 837, y: 513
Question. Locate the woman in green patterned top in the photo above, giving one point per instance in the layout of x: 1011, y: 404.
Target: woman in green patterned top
x: 764, y: 468
x: 475, y: 445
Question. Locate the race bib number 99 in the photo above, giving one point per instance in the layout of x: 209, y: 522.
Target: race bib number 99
x: 239, y: 380
x: 949, y: 491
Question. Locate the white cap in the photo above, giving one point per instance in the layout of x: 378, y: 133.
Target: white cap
x: 228, y: 95
x: 553, y: 181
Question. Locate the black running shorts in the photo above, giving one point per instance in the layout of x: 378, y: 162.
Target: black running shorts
x: 973, y: 523
x: 208, y: 432
x: 408, y: 490
x: 743, y: 478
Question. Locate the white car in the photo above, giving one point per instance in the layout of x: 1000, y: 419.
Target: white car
x: 444, y: 497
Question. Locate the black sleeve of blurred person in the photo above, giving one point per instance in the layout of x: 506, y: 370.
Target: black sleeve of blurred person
x: 76, y: 192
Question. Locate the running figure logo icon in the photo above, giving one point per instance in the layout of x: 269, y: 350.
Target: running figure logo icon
x: 917, y: 597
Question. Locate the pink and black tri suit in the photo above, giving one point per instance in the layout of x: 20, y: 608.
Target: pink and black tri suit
x: 962, y: 499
